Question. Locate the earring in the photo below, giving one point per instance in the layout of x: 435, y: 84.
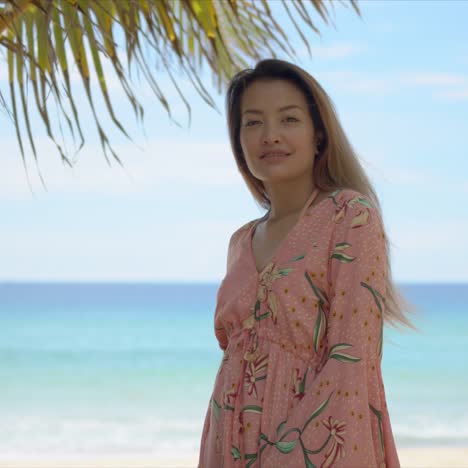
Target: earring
x: 317, y: 148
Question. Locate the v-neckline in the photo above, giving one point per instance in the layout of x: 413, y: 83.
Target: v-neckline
x: 278, y: 248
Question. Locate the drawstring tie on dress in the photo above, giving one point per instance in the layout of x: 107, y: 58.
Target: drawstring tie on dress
x: 249, y: 354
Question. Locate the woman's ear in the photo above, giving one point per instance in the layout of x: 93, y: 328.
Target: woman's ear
x: 319, y: 138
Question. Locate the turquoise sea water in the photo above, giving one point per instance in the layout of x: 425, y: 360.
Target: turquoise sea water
x: 129, y: 368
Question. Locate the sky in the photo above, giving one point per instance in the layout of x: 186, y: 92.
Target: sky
x: 398, y: 78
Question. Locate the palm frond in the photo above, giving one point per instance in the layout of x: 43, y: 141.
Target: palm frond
x: 45, y: 40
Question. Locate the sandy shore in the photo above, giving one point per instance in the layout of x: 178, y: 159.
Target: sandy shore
x: 445, y: 457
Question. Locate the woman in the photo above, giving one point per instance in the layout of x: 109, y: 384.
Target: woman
x: 301, y: 309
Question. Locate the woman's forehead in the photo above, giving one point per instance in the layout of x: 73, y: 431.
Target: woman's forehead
x: 272, y: 96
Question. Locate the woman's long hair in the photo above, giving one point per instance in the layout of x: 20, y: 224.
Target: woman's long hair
x: 336, y: 165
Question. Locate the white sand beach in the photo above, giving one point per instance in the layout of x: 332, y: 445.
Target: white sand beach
x: 440, y: 457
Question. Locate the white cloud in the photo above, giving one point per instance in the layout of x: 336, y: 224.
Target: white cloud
x: 157, y: 253
x: 463, y: 59
x: 425, y: 250
x: 427, y: 235
x: 434, y: 79
x: 330, y: 51
x: 381, y: 170
x: 163, y: 162
x: 455, y: 94
x: 383, y: 27
x: 357, y: 82
x: 408, y: 176
x: 456, y: 85
x: 337, y: 50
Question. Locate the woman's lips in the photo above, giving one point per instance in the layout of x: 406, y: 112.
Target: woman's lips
x: 274, y: 158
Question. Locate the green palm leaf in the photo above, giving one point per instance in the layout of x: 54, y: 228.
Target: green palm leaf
x: 45, y: 39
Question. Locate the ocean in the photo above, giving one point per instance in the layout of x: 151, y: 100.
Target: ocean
x: 91, y: 369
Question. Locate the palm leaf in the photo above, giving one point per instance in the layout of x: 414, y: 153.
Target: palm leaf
x: 45, y: 39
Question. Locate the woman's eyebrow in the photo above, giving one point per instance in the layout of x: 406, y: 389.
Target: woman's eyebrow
x: 256, y: 111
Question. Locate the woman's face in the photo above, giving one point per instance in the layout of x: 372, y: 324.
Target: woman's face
x: 271, y: 128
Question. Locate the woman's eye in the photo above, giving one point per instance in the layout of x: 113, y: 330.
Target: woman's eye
x: 254, y: 121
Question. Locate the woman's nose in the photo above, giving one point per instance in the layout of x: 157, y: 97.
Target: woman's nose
x: 270, y: 134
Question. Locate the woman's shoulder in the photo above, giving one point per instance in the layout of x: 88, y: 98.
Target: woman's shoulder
x: 345, y: 206
x: 241, y: 232
x: 351, y: 198
x: 346, y: 194
x: 244, y: 228
x: 355, y: 209
x: 333, y: 200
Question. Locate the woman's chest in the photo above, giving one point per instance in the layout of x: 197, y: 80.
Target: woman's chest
x: 266, y: 240
x: 293, y: 276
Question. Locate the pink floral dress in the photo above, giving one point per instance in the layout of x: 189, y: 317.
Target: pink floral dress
x: 300, y: 382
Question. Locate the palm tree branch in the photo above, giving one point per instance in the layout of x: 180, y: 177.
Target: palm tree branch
x: 60, y: 34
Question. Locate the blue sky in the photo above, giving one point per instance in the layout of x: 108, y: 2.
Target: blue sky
x: 398, y: 77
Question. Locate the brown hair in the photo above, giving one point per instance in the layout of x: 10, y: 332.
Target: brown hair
x: 336, y: 166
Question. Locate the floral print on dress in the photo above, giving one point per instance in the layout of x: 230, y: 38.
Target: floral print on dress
x: 301, y: 384
x: 265, y: 290
x: 336, y: 449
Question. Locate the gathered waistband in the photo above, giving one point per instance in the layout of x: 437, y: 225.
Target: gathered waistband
x: 304, y: 352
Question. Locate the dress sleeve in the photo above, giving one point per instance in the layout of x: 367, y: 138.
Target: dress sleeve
x: 221, y: 336
x: 342, y: 418
x: 230, y: 250
x: 219, y: 329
